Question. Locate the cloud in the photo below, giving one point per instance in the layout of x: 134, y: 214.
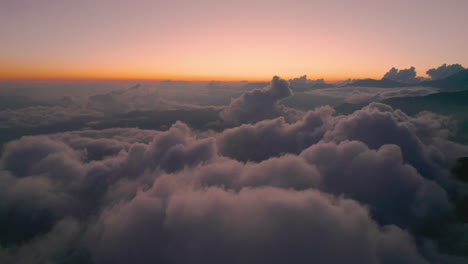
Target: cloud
x: 126, y: 100
x: 444, y: 71
x: 254, y: 225
x: 76, y: 111
x: 142, y: 106
x: 52, y: 245
x: 403, y: 75
x: 399, y: 194
x: 137, y: 106
x: 270, y: 138
x: 355, y: 95
x: 258, y: 104
x: 137, y: 98
x: 304, y: 84
x: 35, y: 116
x: 370, y: 187
x: 422, y: 138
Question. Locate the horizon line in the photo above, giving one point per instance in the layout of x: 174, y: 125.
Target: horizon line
x: 183, y: 79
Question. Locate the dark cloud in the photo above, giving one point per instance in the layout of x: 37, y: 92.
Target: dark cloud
x: 51, y: 246
x: 304, y: 84
x: 444, y: 71
x: 270, y: 138
x: 421, y: 138
x: 24, y: 157
x: 300, y: 81
x: 258, y: 104
x: 403, y: 75
x: 399, y: 194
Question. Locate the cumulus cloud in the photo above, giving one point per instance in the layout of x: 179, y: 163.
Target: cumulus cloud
x: 444, y: 71
x: 370, y: 187
x: 258, y: 104
x: 304, y: 84
x: 399, y: 194
x: 254, y: 225
x: 376, y: 125
x: 302, y: 80
x: 270, y: 138
x: 421, y: 138
x: 403, y: 75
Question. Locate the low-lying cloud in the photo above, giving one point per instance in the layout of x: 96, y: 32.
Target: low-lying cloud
x: 370, y: 187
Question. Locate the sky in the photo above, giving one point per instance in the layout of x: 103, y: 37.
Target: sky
x: 227, y: 40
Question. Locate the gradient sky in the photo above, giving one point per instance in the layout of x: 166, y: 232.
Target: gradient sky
x: 227, y: 40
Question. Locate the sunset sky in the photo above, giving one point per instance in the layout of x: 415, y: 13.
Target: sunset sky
x: 227, y: 40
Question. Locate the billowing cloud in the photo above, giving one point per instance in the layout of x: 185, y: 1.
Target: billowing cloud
x: 370, y: 187
x: 399, y: 194
x: 444, y: 71
x: 258, y: 104
x: 254, y: 225
x: 375, y: 125
x: 403, y: 75
x: 271, y: 138
x: 304, y: 84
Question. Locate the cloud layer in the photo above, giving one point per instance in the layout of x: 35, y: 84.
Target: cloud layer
x: 356, y: 95
x: 370, y: 187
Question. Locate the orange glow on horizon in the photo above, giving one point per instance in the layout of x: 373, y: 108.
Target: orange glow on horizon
x: 64, y: 76
x: 210, y: 40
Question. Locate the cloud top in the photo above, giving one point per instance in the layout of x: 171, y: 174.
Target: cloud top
x: 444, y: 71
x: 401, y: 75
x: 258, y: 104
x: 258, y: 192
